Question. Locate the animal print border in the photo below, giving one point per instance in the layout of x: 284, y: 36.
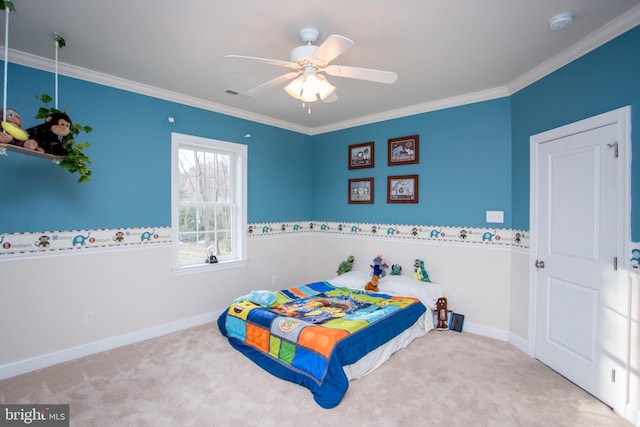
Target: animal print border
x: 33, y: 243
x: 69, y: 242
x: 491, y: 236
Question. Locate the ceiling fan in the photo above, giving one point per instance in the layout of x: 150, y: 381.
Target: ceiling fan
x: 307, y: 62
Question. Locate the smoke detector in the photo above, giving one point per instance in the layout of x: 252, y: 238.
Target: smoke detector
x: 560, y: 22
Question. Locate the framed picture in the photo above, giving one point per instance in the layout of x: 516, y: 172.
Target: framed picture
x: 361, y: 190
x: 361, y: 156
x: 404, y: 151
x: 456, y: 321
x: 402, y: 189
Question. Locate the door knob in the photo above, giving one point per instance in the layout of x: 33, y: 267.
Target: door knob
x: 539, y: 264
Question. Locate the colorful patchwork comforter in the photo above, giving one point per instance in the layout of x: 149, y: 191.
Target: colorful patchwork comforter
x: 308, y: 333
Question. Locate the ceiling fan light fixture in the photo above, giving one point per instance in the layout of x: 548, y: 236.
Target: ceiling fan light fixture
x: 309, y: 87
x: 295, y: 87
x: 326, y: 88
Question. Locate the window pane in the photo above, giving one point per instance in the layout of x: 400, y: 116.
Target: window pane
x: 223, y: 178
x: 207, y: 189
x: 188, y: 219
x: 223, y: 218
x: 205, y: 194
x: 185, y: 187
x: 193, y: 246
x: 223, y: 243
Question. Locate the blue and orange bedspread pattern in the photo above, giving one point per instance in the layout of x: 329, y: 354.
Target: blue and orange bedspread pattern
x: 311, y: 331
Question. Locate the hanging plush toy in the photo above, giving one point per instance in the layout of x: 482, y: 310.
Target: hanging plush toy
x: 419, y: 273
x: 49, y: 134
x: 13, y: 133
x: 378, y: 266
x: 346, y: 265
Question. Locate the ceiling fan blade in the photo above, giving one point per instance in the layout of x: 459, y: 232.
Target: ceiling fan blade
x: 332, y: 47
x: 265, y: 61
x: 331, y: 98
x: 362, y: 73
x: 271, y: 83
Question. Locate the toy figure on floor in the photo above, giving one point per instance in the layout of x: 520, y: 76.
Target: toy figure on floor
x: 443, y: 314
x: 378, y: 266
x: 49, y: 134
x: 13, y: 133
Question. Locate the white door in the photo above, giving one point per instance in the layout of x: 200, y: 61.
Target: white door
x: 579, y: 326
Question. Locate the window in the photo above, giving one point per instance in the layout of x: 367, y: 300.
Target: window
x: 208, y: 202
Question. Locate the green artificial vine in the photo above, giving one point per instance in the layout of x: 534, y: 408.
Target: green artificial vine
x: 7, y: 5
x: 75, y: 161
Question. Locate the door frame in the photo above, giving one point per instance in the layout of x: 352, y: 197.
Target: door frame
x: 622, y: 118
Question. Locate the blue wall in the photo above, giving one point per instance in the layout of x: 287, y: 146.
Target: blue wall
x: 130, y: 156
x: 603, y: 80
x: 473, y: 158
x: 464, y: 168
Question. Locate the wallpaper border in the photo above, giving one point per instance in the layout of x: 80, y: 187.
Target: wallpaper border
x: 72, y: 241
x: 465, y: 235
x: 34, y: 244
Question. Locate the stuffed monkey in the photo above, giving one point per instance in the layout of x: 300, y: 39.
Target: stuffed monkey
x: 13, y: 133
x: 49, y: 134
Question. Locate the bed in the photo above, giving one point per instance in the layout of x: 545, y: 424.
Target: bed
x: 323, y: 334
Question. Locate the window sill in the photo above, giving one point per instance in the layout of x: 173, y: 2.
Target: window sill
x: 209, y: 268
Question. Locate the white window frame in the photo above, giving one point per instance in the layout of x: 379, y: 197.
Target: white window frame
x: 239, y: 199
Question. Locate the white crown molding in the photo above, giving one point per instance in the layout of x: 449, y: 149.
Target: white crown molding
x: 608, y: 32
x: 596, y: 39
x: 45, y: 64
x: 440, y: 104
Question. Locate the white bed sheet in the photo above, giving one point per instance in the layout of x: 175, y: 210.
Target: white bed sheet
x: 428, y: 293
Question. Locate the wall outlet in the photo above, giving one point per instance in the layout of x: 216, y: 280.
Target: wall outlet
x: 495, y: 216
x: 274, y: 279
x: 88, y: 317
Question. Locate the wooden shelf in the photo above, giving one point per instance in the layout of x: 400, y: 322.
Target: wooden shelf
x: 17, y: 149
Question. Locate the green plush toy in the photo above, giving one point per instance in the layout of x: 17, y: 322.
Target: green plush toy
x: 396, y: 270
x: 346, y: 265
x: 419, y: 273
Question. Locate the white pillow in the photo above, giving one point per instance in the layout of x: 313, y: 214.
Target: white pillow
x: 427, y: 292
x: 351, y: 279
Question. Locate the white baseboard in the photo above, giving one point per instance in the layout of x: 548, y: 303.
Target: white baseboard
x: 498, y: 334
x: 631, y: 414
x: 50, y: 359
x: 486, y: 331
x: 519, y: 343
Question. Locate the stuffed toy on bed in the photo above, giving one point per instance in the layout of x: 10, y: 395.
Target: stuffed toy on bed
x: 378, y: 266
x: 346, y: 266
x: 396, y: 269
x: 261, y: 298
x: 419, y: 273
x: 372, y: 285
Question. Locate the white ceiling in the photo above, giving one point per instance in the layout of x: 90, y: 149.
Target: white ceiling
x: 445, y: 52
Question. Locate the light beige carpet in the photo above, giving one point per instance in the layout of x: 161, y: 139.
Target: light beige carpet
x: 195, y: 378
